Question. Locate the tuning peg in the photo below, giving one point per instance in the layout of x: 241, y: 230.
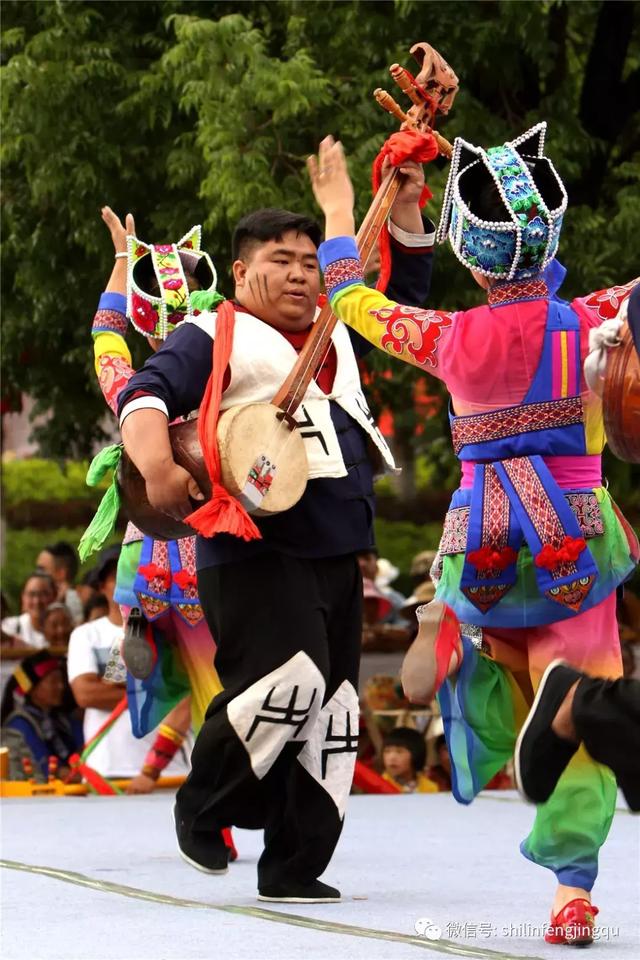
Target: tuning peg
x: 387, y: 103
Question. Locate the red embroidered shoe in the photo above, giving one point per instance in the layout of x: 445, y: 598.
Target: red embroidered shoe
x: 435, y: 654
x: 573, y: 925
x: 227, y: 836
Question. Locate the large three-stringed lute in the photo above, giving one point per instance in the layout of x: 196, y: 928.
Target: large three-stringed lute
x: 262, y: 454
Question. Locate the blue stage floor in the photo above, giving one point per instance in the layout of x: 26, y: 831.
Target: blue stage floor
x: 99, y: 879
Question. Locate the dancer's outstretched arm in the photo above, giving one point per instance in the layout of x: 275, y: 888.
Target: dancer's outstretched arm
x: 412, y: 334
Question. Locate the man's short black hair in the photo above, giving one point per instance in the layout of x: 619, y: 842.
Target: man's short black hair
x: 270, y: 224
x: 65, y: 556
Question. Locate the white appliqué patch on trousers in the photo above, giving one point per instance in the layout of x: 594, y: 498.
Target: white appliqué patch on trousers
x: 329, y: 754
x: 281, y: 706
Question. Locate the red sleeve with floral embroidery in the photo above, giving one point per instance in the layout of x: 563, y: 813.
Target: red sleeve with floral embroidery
x: 111, y: 354
x: 603, y: 304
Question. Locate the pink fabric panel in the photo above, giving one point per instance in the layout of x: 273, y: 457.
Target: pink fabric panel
x: 492, y: 354
x: 570, y: 473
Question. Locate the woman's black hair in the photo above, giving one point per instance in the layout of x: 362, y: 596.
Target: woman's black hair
x: 41, y: 575
x: 98, y: 600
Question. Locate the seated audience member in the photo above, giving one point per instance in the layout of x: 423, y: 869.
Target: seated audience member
x: 385, y: 575
x: 376, y: 634
x: 57, y: 626
x: 96, y: 606
x: 26, y: 630
x: 404, y: 755
x: 423, y: 593
x: 60, y: 561
x: 35, y: 723
x: 440, y: 771
x: 421, y: 566
x: 119, y: 753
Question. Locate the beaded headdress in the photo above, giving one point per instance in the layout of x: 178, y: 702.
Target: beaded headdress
x: 157, y: 314
x: 525, y: 238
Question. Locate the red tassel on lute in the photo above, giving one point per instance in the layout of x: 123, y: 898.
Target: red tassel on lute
x: 400, y: 147
x: 222, y: 513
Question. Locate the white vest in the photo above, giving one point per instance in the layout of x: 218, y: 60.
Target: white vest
x: 261, y: 359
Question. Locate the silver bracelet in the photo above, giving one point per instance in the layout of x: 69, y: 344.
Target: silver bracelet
x: 122, y: 254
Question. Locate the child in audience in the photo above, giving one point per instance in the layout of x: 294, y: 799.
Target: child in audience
x: 404, y: 755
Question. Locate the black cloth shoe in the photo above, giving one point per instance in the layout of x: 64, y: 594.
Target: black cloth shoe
x: 138, y: 653
x: 541, y: 756
x: 295, y: 892
x: 207, y: 853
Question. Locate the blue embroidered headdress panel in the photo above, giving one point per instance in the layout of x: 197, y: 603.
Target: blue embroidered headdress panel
x: 527, y: 200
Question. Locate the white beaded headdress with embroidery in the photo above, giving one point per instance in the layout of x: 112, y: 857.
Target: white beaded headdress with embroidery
x: 525, y: 240
x: 157, y: 315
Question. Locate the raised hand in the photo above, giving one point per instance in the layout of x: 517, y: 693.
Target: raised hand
x: 118, y: 232
x: 330, y: 177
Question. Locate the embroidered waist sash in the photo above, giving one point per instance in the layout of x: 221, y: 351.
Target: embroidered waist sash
x: 515, y: 501
x: 167, y: 578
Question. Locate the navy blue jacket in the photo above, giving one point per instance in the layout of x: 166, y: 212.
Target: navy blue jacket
x: 335, y: 515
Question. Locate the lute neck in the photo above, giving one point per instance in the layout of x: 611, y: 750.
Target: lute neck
x: 292, y: 391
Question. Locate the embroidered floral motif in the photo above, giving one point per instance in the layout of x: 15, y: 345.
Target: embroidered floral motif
x: 191, y: 612
x: 109, y: 321
x: 152, y: 607
x: 113, y: 375
x: 588, y: 513
x: 454, y: 534
x: 607, y: 303
x: 413, y: 330
x: 486, y: 596
x: 485, y: 248
x: 144, y: 314
x: 501, y: 293
x: 572, y: 594
x: 512, y: 421
x: 132, y: 534
x: 342, y: 271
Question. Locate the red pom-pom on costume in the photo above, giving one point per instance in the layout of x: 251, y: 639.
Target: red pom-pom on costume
x: 569, y: 550
x: 488, y: 558
x: 185, y: 579
x: 399, y: 148
x: 222, y: 513
x: 151, y: 571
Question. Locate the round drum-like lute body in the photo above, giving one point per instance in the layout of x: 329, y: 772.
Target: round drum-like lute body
x: 621, y: 399
x: 263, y: 464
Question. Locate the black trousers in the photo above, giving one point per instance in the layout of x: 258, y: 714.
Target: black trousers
x: 278, y: 745
x: 606, y: 715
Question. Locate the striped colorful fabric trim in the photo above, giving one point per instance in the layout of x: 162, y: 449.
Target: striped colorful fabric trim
x: 512, y: 421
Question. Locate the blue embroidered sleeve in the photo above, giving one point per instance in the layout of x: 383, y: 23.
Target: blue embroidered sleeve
x: 111, y: 315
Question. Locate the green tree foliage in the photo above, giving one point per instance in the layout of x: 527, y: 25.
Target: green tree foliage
x: 189, y: 112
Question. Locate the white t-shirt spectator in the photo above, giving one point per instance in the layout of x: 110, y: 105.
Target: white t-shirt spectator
x: 119, y: 753
x: 22, y: 628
